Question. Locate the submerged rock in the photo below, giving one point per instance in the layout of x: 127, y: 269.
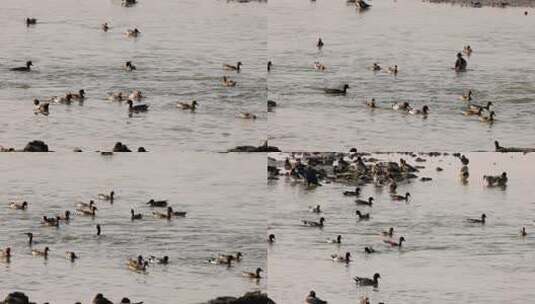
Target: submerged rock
x: 36, y: 146
x: 263, y: 148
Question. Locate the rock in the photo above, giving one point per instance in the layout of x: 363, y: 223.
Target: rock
x: 77, y: 149
x: 141, y: 149
x: 16, y: 298
x: 439, y: 169
x: 249, y: 298
x: 263, y: 148
x: 36, y: 146
x: 119, y: 147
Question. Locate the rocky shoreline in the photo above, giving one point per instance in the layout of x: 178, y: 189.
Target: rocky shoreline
x: 490, y: 3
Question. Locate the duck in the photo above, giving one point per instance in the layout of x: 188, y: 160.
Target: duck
x: 375, y: 67
x: 128, y: 66
x: 489, y: 119
x: 475, y: 108
x: 319, y: 67
x: 227, y: 82
x: 221, y: 260
x: 30, y: 238
x: 271, y: 104
x: 523, y: 232
x: 53, y: 222
x: 424, y: 111
x: 31, y: 21
x: 162, y: 261
x: 71, y: 255
x: 26, y: 68
x: 332, y: 91
x: 233, y: 257
x: 80, y: 96
x: 5, y: 253
x: 99, y: 230
x: 271, y: 239
x: 393, y: 70
x: 337, y: 240
x: 403, y: 106
x: 481, y: 220
x: 129, y: 2
x: 41, y: 108
x: 132, y: 33
x: 230, y: 67
x: 312, y: 299
x: 105, y: 26
x: 397, y: 197
x: 166, y: 215
x: 117, y: 96
x: 88, y: 211
x: 187, y: 106
x: 362, y: 5
x: 371, y: 103
x: 369, y: 250
x: 106, y: 197
x: 313, y: 223
x: 269, y: 64
x: 66, y: 217
x: 498, y: 180
x: 362, y: 217
x: 137, y: 108
x: 368, y: 202
x: 67, y: 99
x: 154, y: 203
x: 320, y: 43
x: 341, y: 258
x: 353, y: 193
x: 134, y: 216
x: 19, y: 206
x: 100, y: 299
x: 134, y: 265
x: 136, y: 95
x: 460, y: 63
x: 315, y: 209
x: 389, y: 233
x: 247, y: 115
x: 253, y: 275
x: 41, y: 253
x: 82, y: 205
x: 467, y: 50
x: 467, y: 96
x: 470, y: 112
x: 361, y: 281
x: 394, y: 243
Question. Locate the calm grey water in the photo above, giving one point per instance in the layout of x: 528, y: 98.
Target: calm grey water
x: 212, y: 188
x: 423, y: 40
x: 179, y: 57
x: 445, y: 259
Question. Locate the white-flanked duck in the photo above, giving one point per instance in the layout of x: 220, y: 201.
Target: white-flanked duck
x: 467, y: 96
x: 24, y: 68
x: 253, y: 275
x: 187, y: 106
x: 41, y: 253
x: 137, y: 108
x: 71, y: 256
x: 314, y: 223
x: 247, y: 115
x: 333, y: 91
x: 312, y: 299
x: 353, y: 193
x: 337, y: 240
x: 362, y: 216
x: 134, y: 216
x: 19, y: 206
x: 227, y: 82
x: 401, y: 106
x: 132, y: 33
x: 341, y: 258
x: 361, y: 281
x: 155, y: 203
x: 489, y: 118
x: 481, y: 220
x: 129, y: 66
x: 424, y: 111
x: 395, y: 243
x: 318, y: 66
x: 497, y: 180
x: 106, y: 197
x: 230, y: 67
x: 41, y: 108
x: 315, y: 209
x: 397, y: 197
x: 368, y: 202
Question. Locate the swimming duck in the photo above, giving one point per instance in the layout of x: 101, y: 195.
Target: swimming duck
x: 337, y: 240
x: 397, y: 197
x: 100, y: 299
x: 320, y: 43
x: 88, y: 211
x: 362, y: 217
x: 187, y: 106
x: 253, y: 275
x: 369, y: 250
x: 271, y: 104
x: 271, y: 239
x: 318, y: 66
x: 129, y: 66
x: 353, y: 193
x: 105, y: 26
x: 247, y: 115
x: 107, y: 197
x: 24, y: 68
x: 371, y: 103
x: 82, y: 205
x: 30, y: 238
x: 132, y: 32
x: 31, y: 21
x: 136, y: 95
x: 337, y: 91
x: 470, y: 112
x: 40, y: 108
x: 315, y: 209
x: 523, y: 231
x: 153, y: 203
x: 362, y: 5
x: 71, y: 255
x: 230, y: 67
x: 389, y: 233
x: 80, y: 96
x: 369, y: 202
x: 220, y: 260
x: 375, y: 67
x: 5, y: 253
x: 67, y: 99
x: 341, y: 258
x: 138, y: 267
x: 162, y: 261
x: 312, y: 299
x: 117, y: 96
x: 404, y: 106
x: 394, y: 243
x: 233, y: 257
x: 134, y: 216
x: 19, y: 206
x: 66, y: 217
x: 393, y: 70
x: 42, y: 253
x: 136, y: 108
x: 498, y: 180
x: 460, y: 64
x: 481, y: 220
x: 489, y: 118
x: 475, y: 108
x: 367, y: 281
x: 227, y: 82
x: 467, y: 96
x: 53, y: 222
x: 269, y: 64
x: 467, y: 50
x: 166, y: 215
x: 313, y: 223
x: 424, y: 111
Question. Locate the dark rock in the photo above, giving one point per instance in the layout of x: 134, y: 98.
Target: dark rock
x: 36, y: 146
x: 141, y: 149
x: 263, y: 148
x: 249, y: 298
x: 119, y: 147
x: 16, y: 298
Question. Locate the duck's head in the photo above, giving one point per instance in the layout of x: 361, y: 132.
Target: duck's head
x: 483, y: 216
x: 8, y: 251
x: 348, y: 255
x: 132, y: 211
x: 459, y: 55
x: 376, y: 276
x: 371, y: 199
x: 239, y: 64
x: 25, y: 203
x: 259, y: 270
x: 497, y: 144
x: 129, y: 102
x: 67, y: 214
x: 322, y: 219
x: 91, y: 203
x: 47, y: 250
x: 125, y: 301
x: 425, y: 109
x: 489, y: 104
x: 358, y: 213
x: 492, y: 114
x: 271, y: 237
x: 81, y: 92
x: 29, y: 234
x: 401, y: 240
x: 357, y: 190
x: 136, y: 31
x: 407, y: 195
x: 169, y: 211
x: 469, y: 93
x: 339, y: 238
x: 165, y: 259
x: 346, y: 86
x: 391, y: 230
x: 36, y: 101
x: 194, y: 103
x: 29, y: 63
x: 504, y: 174
x: 312, y: 294
x: 112, y: 194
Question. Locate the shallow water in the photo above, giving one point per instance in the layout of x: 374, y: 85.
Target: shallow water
x: 212, y: 188
x: 444, y: 260
x: 178, y: 56
x: 421, y: 38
